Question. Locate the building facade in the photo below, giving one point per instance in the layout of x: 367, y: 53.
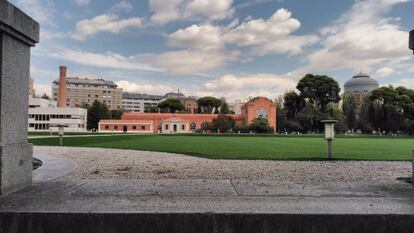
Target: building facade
x: 360, y: 86
x: 79, y: 91
x: 187, y: 122
x: 136, y: 102
x: 44, y: 116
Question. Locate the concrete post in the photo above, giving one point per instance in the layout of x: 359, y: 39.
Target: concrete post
x: 329, y: 149
x: 18, y: 32
x: 412, y: 171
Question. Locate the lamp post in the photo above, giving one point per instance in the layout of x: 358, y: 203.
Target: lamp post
x: 61, y: 132
x: 411, y: 41
x: 329, y: 135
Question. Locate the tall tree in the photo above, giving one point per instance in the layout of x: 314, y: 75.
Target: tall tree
x: 208, y: 104
x: 96, y: 112
x: 320, y: 90
x: 281, y: 118
x: 223, y: 123
x: 293, y: 104
x: 171, y: 105
x: 224, y: 107
x: 349, y: 108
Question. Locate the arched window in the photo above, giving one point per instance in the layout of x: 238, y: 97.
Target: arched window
x: 262, y: 113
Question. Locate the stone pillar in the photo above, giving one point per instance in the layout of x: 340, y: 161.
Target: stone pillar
x: 18, y: 32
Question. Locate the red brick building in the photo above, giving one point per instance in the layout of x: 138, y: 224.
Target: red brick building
x: 187, y: 123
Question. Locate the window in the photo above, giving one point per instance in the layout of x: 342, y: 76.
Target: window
x: 183, y: 127
x: 134, y: 127
x: 116, y: 127
x: 142, y: 127
x: 166, y: 126
x: 106, y: 126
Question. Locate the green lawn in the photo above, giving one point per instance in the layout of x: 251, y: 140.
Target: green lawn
x: 251, y: 147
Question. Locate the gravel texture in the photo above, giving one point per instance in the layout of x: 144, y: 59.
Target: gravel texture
x: 96, y: 163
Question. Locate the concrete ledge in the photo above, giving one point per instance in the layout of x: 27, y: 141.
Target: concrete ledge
x: 203, y: 223
x: 201, y: 206
x: 14, y: 21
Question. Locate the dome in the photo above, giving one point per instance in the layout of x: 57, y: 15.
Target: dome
x: 360, y: 83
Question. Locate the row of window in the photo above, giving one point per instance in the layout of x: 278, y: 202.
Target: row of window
x: 48, y: 126
x: 134, y: 127
x: 47, y: 117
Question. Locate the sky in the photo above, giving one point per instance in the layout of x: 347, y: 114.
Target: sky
x: 224, y: 48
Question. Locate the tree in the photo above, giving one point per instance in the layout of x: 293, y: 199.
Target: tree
x: 151, y: 109
x: 309, y: 118
x: 349, y: 109
x: 45, y: 96
x: 242, y: 128
x: 223, y: 123
x: 261, y: 125
x: 293, y: 104
x: 171, y: 105
x: 96, y: 112
x: 320, y: 90
x: 208, y: 104
x: 224, y: 107
x: 116, y: 114
x: 281, y: 118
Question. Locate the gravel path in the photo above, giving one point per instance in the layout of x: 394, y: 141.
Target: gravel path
x: 94, y: 163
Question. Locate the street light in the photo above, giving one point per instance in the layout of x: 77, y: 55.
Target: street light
x: 329, y: 134
x: 411, y: 41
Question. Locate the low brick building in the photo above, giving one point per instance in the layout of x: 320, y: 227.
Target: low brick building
x: 187, y: 123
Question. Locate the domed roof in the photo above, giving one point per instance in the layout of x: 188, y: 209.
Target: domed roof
x: 361, y: 79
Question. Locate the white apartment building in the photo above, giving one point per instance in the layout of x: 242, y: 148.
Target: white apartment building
x: 44, y: 116
x: 135, y: 102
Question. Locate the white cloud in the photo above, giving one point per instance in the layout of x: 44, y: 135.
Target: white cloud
x: 360, y: 38
x: 191, y: 62
x: 210, y: 9
x: 268, y: 36
x: 82, y: 2
x: 106, y: 60
x: 201, y: 37
x: 34, y: 8
x: 233, y: 86
x: 230, y: 86
x: 41, y: 89
x: 172, y: 10
x: 407, y: 82
x: 145, y: 87
x: 123, y: 6
x: 384, y: 72
x: 103, y: 23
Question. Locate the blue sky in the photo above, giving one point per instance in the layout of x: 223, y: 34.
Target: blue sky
x: 229, y: 48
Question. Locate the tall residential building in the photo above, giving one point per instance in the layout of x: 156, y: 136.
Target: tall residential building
x: 135, y: 102
x: 80, y: 91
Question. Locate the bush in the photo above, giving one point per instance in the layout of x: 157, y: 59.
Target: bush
x: 260, y: 125
x: 242, y: 128
x: 223, y: 123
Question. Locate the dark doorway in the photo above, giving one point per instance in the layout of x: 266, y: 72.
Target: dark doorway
x: 175, y: 128
x: 125, y: 128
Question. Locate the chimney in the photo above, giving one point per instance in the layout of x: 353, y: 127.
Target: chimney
x: 62, y: 87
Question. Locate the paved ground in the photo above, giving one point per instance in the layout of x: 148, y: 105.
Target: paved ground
x: 209, y: 196
x: 52, y: 167
x: 95, y: 163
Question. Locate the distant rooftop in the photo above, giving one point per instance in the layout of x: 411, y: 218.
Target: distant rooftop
x: 128, y: 95
x: 87, y: 81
